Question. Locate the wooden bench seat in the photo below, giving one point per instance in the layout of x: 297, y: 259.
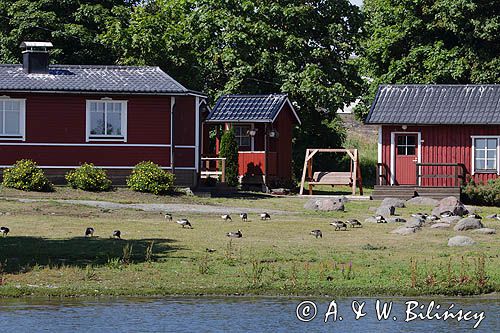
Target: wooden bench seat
x: 330, y: 178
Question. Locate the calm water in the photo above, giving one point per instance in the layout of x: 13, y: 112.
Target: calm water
x: 226, y: 314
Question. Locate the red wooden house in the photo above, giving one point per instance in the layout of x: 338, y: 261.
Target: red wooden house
x: 432, y: 138
x: 62, y: 116
x: 263, y: 125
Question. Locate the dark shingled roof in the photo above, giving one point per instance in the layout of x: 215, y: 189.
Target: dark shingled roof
x: 436, y: 104
x: 88, y: 78
x: 249, y: 108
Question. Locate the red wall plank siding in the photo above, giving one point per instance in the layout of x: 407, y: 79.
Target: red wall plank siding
x: 184, y: 122
x: 74, y: 156
x: 442, y: 144
x: 61, y: 119
x: 284, y: 124
x: 251, y: 163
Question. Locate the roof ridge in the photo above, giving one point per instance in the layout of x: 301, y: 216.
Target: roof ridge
x: 439, y: 85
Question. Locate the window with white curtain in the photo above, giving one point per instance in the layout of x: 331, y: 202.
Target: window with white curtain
x: 12, y: 118
x: 485, y: 155
x: 106, y: 120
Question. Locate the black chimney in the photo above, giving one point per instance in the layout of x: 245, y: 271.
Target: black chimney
x: 36, y: 57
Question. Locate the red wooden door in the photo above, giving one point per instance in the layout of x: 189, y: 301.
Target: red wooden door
x: 406, y: 159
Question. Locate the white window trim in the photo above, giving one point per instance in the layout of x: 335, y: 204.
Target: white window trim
x: 252, y: 139
x: 393, y: 154
x: 473, y: 152
x: 22, y: 121
x: 123, y: 137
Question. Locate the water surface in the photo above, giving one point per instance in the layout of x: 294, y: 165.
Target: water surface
x: 227, y: 314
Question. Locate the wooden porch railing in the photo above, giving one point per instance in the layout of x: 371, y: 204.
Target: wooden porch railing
x: 382, y: 174
x: 435, y: 171
x: 213, y: 166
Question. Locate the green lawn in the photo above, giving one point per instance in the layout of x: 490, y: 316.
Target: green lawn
x: 45, y: 253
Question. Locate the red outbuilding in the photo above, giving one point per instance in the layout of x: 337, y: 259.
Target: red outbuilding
x: 263, y: 125
x: 432, y: 138
x: 61, y: 116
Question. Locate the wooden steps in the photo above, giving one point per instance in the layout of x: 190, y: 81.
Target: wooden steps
x: 407, y: 192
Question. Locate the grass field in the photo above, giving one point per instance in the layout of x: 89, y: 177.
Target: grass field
x: 45, y: 253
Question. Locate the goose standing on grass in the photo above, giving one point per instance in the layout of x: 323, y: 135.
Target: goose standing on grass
x: 447, y: 213
x: 4, y: 231
x: 210, y: 250
x: 265, y: 216
x: 244, y: 217
x: 432, y: 218
x: 184, y: 223
x: 317, y: 233
x: 226, y: 217
x: 339, y: 225
x: 354, y: 223
x: 168, y: 216
x: 89, y: 232
x: 235, y: 234
x: 380, y: 219
x: 117, y: 234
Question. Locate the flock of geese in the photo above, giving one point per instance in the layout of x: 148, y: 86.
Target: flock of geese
x: 338, y: 225
x: 183, y: 222
x: 353, y: 223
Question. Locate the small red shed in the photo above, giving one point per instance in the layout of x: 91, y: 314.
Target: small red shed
x: 263, y: 125
x: 432, y: 138
x: 61, y: 116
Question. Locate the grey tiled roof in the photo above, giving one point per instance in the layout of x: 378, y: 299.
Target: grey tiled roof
x: 79, y: 78
x: 252, y: 108
x: 436, y: 104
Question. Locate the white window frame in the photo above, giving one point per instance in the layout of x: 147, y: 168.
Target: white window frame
x: 473, y: 154
x: 22, y: 120
x: 251, y: 146
x: 105, y: 137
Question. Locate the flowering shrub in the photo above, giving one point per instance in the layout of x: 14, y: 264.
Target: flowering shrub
x: 149, y: 177
x: 27, y: 176
x: 482, y: 194
x: 89, y: 178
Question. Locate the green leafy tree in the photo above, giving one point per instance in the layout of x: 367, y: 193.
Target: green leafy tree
x: 229, y: 150
x: 422, y: 41
x: 240, y: 46
x: 73, y: 26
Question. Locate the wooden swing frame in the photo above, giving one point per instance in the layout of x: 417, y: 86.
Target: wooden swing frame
x: 355, y: 172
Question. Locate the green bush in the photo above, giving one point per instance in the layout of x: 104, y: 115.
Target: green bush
x: 27, y: 176
x: 89, y: 178
x: 482, y: 194
x: 150, y: 178
x: 229, y: 150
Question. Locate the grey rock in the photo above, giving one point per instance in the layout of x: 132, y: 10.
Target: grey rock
x: 485, y: 231
x: 451, y: 219
x: 451, y: 204
x: 424, y: 201
x: 396, y: 220
x: 403, y: 231
x: 414, y: 223
x: 460, y: 241
x: 468, y: 223
x: 398, y: 203
x: 386, y: 211
x: 326, y: 204
x: 371, y: 220
x: 440, y: 226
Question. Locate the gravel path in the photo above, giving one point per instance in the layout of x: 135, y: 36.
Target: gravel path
x: 173, y: 208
